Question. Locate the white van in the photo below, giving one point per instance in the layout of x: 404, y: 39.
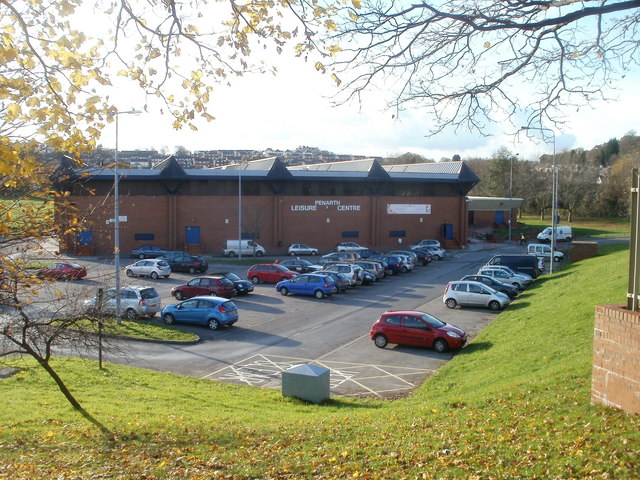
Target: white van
x: 562, y: 234
x: 245, y: 247
x: 544, y: 251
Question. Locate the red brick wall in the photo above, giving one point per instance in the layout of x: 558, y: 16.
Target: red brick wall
x: 616, y: 358
x: 280, y: 220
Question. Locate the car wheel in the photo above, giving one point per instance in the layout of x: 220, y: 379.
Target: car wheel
x: 258, y: 254
x: 405, y: 269
x: 131, y: 314
x: 179, y: 295
x: 169, y: 319
x: 313, y: 254
x: 231, y: 254
x: 192, y: 270
x: 437, y: 257
x: 556, y: 259
x: 141, y: 256
x: 390, y: 272
x: 494, y: 305
x: 255, y: 280
x: 517, y: 285
x: 283, y: 279
x: 129, y: 273
x: 284, y: 291
x: 154, y: 275
x: 214, y: 324
x: 293, y: 254
x: 451, y: 303
x: 380, y: 341
x: 440, y: 345
x: 319, y: 294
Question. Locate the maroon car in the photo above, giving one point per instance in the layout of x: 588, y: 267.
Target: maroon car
x: 269, y: 273
x: 216, y: 285
x: 63, y: 271
x: 408, y: 327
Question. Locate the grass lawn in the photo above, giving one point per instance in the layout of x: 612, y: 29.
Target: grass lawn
x: 582, y: 227
x: 515, y: 403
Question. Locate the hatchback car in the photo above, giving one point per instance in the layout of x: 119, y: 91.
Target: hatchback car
x: 473, y: 294
x: 243, y: 287
x: 340, y: 279
x: 436, y: 252
x: 372, y: 267
x: 408, y: 327
x: 352, y: 271
x: 135, y: 302
x: 269, y: 273
x: 63, y: 271
x: 315, y: 284
x: 424, y: 256
x: 148, y: 251
x: 185, y: 262
x: 154, y: 268
x: 426, y: 243
x: 510, y: 290
x: 300, y: 266
x: 212, y: 311
x: 350, y: 247
x: 340, y: 257
x: 301, y: 249
x: 504, y: 276
x: 208, y: 285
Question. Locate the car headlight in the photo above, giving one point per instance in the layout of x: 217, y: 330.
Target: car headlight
x: 453, y: 334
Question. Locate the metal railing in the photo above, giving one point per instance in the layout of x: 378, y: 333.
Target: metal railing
x: 634, y: 254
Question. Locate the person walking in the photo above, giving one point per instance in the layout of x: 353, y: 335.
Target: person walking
x: 522, y: 240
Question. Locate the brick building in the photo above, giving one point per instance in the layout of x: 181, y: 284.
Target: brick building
x: 198, y: 209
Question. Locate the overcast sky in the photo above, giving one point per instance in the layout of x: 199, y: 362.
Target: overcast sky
x: 293, y: 109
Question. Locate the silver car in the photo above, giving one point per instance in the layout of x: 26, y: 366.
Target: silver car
x: 473, y: 294
x: 505, y: 275
x: 153, y: 268
x: 135, y: 302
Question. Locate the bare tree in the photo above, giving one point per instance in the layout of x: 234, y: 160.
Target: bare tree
x: 468, y: 62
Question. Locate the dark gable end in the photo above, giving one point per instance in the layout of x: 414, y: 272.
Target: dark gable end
x: 171, y: 175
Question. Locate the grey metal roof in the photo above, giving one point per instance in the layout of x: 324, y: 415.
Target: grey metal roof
x: 273, y: 168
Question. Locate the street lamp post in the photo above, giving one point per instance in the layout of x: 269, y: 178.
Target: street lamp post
x: 240, y: 211
x: 116, y: 216
x: 554, y: 194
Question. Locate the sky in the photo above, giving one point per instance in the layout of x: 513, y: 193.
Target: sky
x: 294, y: 109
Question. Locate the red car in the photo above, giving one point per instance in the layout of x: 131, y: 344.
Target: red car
x: 408, y: 327
x: 215, y: 285
x: 269, y: 273
x: 63, y: 271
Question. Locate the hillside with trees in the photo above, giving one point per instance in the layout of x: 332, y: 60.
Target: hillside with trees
x: 592, y: 182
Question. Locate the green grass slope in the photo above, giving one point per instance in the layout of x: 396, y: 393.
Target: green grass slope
x: 515, y: 403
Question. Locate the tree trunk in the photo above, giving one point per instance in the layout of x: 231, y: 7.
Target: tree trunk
x: 72, y: 400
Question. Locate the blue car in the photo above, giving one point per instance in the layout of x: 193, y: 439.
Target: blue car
x: 212, y: 311
x: 315, y: 284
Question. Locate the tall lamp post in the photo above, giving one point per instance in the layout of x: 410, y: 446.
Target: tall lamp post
x: 554, y: 194
x: 116, y: 215
x: 511, y: 195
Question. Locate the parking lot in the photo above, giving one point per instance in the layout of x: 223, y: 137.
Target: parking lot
x: 275, y: 333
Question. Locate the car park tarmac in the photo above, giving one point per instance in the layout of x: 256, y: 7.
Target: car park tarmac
x: 275, y: 333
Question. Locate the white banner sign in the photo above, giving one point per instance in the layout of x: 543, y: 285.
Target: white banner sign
x: 409, y: 209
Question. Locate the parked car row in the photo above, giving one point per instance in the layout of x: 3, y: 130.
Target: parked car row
x: 337, y: 271
x: 494, y: 286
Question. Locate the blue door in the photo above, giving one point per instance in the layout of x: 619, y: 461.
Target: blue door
x: 499, y: 217
x: 447, y: 231
x: 85, y: 237
x: 192, y: 235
